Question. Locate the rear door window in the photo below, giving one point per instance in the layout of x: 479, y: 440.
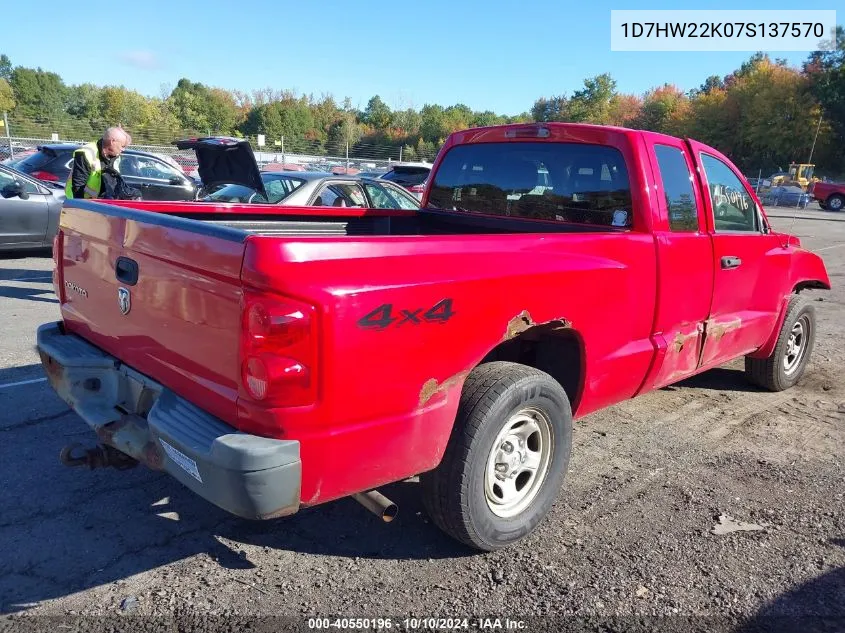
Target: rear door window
x: 340, y: 195
x: 144, y: 167
x: 565, y: 182
x: 280, y: 187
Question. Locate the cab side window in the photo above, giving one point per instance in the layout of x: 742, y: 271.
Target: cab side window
x: 677, y: 187
x: 733, y: 209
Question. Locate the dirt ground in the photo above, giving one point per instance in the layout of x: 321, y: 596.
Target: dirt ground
x: 630, y: 544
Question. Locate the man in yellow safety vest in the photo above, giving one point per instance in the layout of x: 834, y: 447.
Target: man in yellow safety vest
x: 89, y: 161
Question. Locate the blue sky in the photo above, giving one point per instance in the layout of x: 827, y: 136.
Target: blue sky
x: 493, y: 55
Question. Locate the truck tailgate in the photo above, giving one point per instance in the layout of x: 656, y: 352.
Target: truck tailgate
x: 178, y: 322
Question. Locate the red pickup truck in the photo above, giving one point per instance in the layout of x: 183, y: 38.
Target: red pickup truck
x: 272, y: 358
x: 830, y: 195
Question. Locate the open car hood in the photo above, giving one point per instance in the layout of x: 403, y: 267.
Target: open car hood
x: 223, y: 160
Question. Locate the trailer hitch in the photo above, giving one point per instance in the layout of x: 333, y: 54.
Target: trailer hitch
x: 101, y: 456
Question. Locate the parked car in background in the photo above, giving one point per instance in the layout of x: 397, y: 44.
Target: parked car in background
x: 283, y: 167
x: 230, y: 174
x: 349, y: 171
x: 830, y: 195
x: 154, y: 177
x: 412, y: 176
x: 316, y: 189
x: 788, y: 196
x: 29, y: 210
x: 19, y: 156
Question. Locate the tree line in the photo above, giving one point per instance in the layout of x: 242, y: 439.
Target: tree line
x: 763, y: 115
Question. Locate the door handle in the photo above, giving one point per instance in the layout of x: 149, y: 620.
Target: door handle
x: 730, y: 261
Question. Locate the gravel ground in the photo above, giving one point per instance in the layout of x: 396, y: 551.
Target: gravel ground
x: 630, y: 539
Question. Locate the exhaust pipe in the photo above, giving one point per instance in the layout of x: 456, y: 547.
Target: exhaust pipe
x: 378, y: 504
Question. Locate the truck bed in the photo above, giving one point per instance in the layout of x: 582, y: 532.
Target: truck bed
x: 333, y: 222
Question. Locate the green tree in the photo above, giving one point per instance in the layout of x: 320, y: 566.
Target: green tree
x: 125, y: 107
x: 434, y: 126
x: 5, y: 68
x: 665, y: 110
x: 407, y: 122
x: 713, y: 82
x: 711, y: 120
x: 486, y: 119
x: 84, y: 102
x: 291, y: 118
x: 190, y: 103
x: 457, y: 117
x: 326, y: 114
x: 551, y: 109
x: 825, y: 70
x: 7, y: 97
x: 592, y: 104
x: 344, y: 132
x: 38, y: 94
x: 222, y: 111
x: 377, y: 114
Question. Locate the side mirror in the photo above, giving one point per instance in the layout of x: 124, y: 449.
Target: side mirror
x: 175, y: 180
x: 14, y: 189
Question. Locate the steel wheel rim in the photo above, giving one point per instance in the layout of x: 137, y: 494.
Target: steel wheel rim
x: 796, y: 345
x: 835, y: 204
x: 518, y: 462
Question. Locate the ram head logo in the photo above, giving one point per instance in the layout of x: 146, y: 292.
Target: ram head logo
x: 124, y: 300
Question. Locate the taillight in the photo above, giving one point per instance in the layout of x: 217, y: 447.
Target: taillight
x: 278, y: 350
x: 45, y: 175
x: 417, y: 188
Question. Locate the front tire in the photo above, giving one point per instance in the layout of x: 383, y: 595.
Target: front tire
x: 786, y: 364
x: 506, y: 458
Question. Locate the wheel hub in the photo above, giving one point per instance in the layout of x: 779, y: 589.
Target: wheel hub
x: 795, y: 346
x: 518, y: 462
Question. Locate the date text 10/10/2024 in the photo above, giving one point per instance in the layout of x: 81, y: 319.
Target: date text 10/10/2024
x: 461, y: 624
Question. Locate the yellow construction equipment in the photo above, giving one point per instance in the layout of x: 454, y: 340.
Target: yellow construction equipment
x: 799, y: 175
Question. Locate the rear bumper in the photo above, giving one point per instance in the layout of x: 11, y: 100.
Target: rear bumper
x: 249, y: 476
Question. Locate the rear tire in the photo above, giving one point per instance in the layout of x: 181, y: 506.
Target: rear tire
x: 506, y: 459
x: 787, y: 362
x: 835, y: 202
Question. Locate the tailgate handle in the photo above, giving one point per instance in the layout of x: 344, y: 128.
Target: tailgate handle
x: 126, y: 271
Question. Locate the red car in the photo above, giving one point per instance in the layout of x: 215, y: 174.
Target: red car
x: 285, y: 357
x: 830, y: 195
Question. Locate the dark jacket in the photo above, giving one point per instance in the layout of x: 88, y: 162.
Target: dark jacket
x: 112, y: 185
x: 81, y: 170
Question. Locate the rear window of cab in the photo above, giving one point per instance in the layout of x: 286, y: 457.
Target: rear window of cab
x: 564, y: 182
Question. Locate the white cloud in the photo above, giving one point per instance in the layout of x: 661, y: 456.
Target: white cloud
x: 145, y: 60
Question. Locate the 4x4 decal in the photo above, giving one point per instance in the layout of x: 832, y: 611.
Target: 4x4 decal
x: 383, y: 316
